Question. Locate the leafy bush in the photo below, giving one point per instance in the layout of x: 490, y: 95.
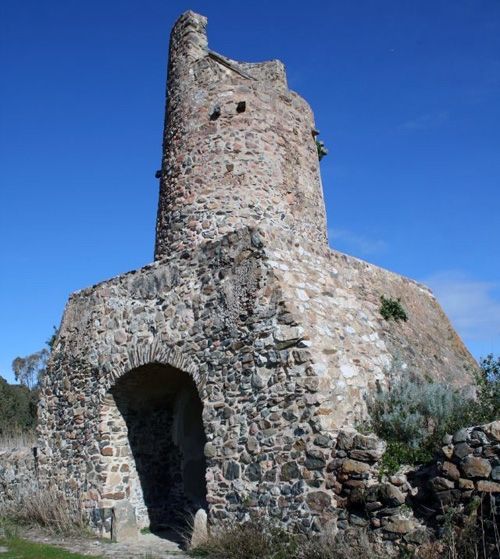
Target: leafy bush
x: 17, y: 409
x: 488, y: 389
x: 413, y: 416
x: 392, y: 308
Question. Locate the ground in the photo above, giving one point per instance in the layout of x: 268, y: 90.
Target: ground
x: 35, y: 544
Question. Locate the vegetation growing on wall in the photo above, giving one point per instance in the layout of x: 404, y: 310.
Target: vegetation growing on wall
x: 322, y: 150
x: 392, y: 308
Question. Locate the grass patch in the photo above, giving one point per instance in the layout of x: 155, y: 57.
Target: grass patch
x: 23, y: 549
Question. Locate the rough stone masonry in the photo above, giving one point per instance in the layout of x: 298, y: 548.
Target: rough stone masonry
x: 220, y: 375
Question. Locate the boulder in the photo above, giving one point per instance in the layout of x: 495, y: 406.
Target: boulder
x: 475, y: 467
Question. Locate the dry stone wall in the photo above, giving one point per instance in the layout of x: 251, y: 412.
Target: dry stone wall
x: 18, y: 473
x: 408, y: 507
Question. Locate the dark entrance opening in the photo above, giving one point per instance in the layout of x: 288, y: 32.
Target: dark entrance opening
x: 162, y: 412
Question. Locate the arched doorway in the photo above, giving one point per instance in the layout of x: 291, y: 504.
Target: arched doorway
x: 156, y: 446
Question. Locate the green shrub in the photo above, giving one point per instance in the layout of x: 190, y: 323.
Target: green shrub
x: 410, y: 410
x: 392, y: 308
x: 17, y: 409
x: 488, y: 389
x: 413, y: 416
x: 322, y: 151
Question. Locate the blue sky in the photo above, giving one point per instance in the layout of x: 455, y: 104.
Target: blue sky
x: 406, y: 95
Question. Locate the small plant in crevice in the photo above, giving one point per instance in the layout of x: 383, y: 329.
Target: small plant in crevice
x: 322, y: 150
x: 392, y: 308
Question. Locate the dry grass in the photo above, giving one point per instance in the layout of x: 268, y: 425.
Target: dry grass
x: 257, y: 540
x: 17, y: 440
x: 467, y: 536
x: 46, y: 509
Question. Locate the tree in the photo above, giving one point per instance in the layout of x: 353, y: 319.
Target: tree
x: 17, y: 408
x: 27, y: 370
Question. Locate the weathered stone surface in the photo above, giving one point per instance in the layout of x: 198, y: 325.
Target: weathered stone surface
x: 493, y: 430
x: 391, y: 495
x: 290, y: 471
x: 124, y: 524
x: 398, y: 525
x: 18, y: 473
x: 447, y: 451
x: 488, y: 486
x: 448, y: 469
x: 318, y: 501
x: 315, y: 460
x: 442, y: 484
x: 354, y: 467
x: 465, y: 484
x: 462, y: 450
x: 475, y: 467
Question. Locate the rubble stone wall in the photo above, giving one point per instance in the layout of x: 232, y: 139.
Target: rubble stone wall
x: 403, y: 507
x: 18, y: 473
x: 253, y: 341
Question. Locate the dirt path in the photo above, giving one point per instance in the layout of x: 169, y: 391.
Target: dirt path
x: 148, y: 546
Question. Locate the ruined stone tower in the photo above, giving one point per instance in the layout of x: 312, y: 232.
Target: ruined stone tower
x: 220, y: 375
x: 239, y: 149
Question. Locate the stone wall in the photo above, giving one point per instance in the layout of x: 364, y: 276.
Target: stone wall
x: 336, y: 300
x: 408, y: 507
x: 18, y: 473
x: 219, y: 317
x: 253, y: 336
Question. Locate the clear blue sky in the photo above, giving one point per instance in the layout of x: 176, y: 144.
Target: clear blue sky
x: 406, y: 95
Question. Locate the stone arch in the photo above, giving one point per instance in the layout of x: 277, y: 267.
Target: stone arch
x: 148, y: 353
x: 152, y: 440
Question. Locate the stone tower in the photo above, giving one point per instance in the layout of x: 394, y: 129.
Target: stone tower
x: 221, y: 375
x: 239, y: 149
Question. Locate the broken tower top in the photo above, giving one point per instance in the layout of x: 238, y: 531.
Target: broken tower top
x: 238, y: 149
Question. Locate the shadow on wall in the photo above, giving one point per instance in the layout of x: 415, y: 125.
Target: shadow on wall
x: 159, y: 441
